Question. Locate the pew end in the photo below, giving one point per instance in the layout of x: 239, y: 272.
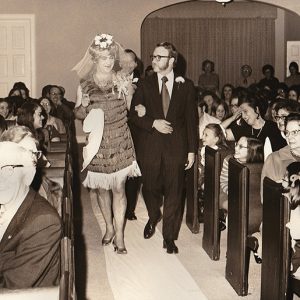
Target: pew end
x: 244, y: 218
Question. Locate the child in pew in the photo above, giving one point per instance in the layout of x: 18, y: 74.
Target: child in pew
x: 213, y: 137
x: 291, y: 185
x: 247, y: 150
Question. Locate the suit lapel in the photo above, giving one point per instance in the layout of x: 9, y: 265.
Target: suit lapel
x: 157, y: 103
x: 175, y: 96
x: 18, y: 219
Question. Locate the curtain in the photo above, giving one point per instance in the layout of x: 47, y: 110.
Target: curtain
x: 229, y: 43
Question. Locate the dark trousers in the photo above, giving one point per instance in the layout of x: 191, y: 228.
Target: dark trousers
x: 163, y: 182
x: 132, y: 187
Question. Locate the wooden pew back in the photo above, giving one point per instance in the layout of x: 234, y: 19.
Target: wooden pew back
x: 244, y: 218
x: 211, y: 233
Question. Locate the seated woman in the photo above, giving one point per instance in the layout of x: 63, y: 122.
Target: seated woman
x: 291, y: 185
x: 247, y: 150
x: 227, y: 92
x: 54, y: 125
x: 220, y: 110
x: 251, y: 110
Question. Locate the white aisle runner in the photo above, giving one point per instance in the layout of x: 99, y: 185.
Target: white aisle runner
x: 147, y: 272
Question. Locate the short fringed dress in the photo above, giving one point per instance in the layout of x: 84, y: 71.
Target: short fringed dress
x: 115, y: 159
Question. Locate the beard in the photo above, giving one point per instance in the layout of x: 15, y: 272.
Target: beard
x: 160, y: 68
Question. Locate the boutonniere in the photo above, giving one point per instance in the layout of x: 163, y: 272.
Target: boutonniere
x: 179, y: 79
x: 135, y: 80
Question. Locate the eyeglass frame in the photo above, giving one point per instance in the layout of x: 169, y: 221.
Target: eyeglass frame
x: 159, y: 57
x: 277, y: 118
x: 240, y: 146
x: 292, y: 133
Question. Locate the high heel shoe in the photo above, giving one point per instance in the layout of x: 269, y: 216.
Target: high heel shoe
x: 119, y: 250
x: 106, y: 242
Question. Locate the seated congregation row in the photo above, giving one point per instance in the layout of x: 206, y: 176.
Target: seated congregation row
x: 33, y: 191
x: 51, y: 111
x: 264, y: 132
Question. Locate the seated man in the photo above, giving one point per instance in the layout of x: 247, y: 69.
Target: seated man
x: 30, y: 230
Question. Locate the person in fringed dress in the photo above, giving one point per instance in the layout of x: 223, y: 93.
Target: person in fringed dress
x: 109, y: 157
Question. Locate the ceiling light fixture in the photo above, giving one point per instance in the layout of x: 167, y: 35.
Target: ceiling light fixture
x: 224, y: 2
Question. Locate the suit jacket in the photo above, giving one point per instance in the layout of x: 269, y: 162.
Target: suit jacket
x: 30, y: 247
x: 182, y: 115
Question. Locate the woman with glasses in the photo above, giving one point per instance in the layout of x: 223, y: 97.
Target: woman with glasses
x: 276, y: 163
x: 281, y: 110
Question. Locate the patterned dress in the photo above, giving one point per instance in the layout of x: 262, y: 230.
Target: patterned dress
x: 115, y: 158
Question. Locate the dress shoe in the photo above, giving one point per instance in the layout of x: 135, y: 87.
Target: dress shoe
x: 170, y: 246
x: 252, y: 243
x: 222, y: 225
x: 119, y: 250
x: 149, y: 230
x: 131, y: 216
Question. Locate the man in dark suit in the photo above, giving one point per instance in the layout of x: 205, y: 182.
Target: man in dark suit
x: 129, y: 65
x: 30, y: 230
x: 168, y: 141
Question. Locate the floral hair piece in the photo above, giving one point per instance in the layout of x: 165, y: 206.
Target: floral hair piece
x: 103, y: 40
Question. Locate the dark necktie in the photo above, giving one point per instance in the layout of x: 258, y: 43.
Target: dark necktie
x: 165, y: 95
x: 245, y: 81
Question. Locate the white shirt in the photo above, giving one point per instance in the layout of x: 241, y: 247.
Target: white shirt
x: 169, y: 83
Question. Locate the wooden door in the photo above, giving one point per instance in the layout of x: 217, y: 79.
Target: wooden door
x: 16, y: 52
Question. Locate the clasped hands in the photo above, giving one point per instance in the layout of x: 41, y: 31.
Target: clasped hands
x: 163, y: 126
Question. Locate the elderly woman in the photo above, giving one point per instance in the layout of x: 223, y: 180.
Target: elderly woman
x: 109, y: 157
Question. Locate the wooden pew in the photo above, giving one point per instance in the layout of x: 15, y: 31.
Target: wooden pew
x: 211, y: 232
x: 57, y: 159
x: 276, y: 282
x: 57, y: 147
x: 244, y: 218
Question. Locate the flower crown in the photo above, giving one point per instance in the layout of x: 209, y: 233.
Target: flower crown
x: 104, y: 41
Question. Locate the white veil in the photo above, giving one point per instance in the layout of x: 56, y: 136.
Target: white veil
x: 100, y: 43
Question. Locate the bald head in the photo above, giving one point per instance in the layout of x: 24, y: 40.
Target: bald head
x: 14, y: 154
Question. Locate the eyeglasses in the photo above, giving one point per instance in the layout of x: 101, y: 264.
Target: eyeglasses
x: 159, y: 57
x: 233, y: 105
x: 9, y: 169
x: 55, y: 94
x: 292, y: 133
x: 238, y: 146
x: 278, y: 118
